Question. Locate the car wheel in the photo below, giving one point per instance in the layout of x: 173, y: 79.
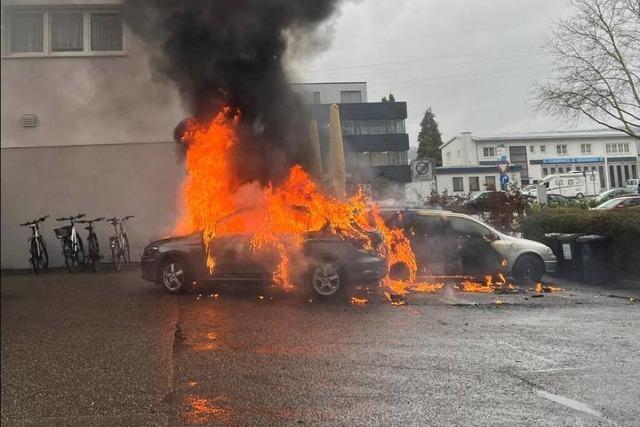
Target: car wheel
x: 399, y: 271
x: 528, y: 269
x: 173, y: 275
x: 327, y: 279
x: 579, y: 196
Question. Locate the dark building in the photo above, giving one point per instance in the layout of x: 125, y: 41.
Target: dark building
x: 375, y: 140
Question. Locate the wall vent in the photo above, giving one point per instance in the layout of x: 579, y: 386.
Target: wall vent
x: 29, y: 120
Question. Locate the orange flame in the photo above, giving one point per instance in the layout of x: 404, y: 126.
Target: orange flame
x: 273, y: 217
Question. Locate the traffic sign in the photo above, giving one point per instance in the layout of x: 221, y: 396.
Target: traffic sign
x: 503, y: 166
x: 422, y: 169
x: 504, y: 179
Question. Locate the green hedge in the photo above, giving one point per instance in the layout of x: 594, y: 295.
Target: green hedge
x: 622, y: 227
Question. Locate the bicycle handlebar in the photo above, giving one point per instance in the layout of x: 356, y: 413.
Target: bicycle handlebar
x: 71, y: 218
x: 89, y: 221
x: 115, y: 220
x: 34, y: 221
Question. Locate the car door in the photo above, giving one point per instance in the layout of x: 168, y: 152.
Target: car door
x: 473, y: 251
x: 430, y: 244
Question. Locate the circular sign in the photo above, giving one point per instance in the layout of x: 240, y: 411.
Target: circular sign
x: 422, y: 168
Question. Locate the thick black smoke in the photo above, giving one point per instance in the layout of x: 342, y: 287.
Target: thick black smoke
x: 231, y: 52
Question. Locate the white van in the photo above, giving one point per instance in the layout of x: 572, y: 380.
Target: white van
x: 632, y: 184
x: 573, y: 184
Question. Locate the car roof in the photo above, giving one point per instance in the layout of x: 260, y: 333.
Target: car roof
x: 426, y: 212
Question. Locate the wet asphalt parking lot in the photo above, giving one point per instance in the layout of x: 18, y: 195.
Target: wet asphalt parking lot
x: 111, y: 349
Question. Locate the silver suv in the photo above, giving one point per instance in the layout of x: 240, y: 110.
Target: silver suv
x: 448, y: 243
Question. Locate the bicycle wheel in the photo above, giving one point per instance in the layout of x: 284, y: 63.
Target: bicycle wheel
x: 94, y: 252
x: 126, y: 249
x: 39, y: 258
x: 69, y: 259
x: 116, y: 253
x: 79, y: 255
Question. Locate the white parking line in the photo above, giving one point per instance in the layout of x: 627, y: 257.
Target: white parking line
x: 569, y: 403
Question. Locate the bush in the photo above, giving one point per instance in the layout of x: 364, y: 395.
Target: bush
x: 622, y: 227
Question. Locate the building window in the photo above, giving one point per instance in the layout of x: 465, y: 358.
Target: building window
x: 458, y: 184
x: 490, y: 182
x: 553, y: 171
x: 617, y: 148
x: 66, y: 32
x: 543, y: 148
x: 348, y: 127
x: 545, y: 172
x: 585, y: 148
x: 316, y: 97
x: 634, y: 172
x: 106, y: 32
x: 489, y: 151
x: 560, y: 170
x: 532, y: 148
x: 26, y: 32
x: 561, y: 149
x: 379, y: 158
x: 54, y: 32
x: 350, y: 96
x: 379, y: 127
x: 474, y: 183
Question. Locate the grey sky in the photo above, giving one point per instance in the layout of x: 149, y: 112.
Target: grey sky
x: 472, y: 61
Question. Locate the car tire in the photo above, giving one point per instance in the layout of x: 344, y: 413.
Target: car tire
x: 174, y: 276
x: 528, y: 269
x: 579, y: 196
x: 327, y: 279
x: 399, y: 271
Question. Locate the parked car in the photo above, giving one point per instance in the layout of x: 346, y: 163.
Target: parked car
x: 632, y: 185
x: 613, y: 193
x: 332, y: 263
x: 480, y: 201
x: 558, y: 199
x: 620, y: 203
x: 448, y: 243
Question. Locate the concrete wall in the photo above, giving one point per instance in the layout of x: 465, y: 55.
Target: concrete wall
x: 99, y: 180
x: 329, y: 92
x: 82, y: 100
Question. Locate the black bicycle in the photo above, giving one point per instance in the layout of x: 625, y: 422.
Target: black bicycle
x: 93, y: 257
x: 39, y: 256
x: 72, y: 247
x: 119, y: 242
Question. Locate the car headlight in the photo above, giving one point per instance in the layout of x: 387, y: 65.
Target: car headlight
x: 150, y: 250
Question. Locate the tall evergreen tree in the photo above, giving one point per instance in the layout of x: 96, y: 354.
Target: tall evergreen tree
x: 429, y: 138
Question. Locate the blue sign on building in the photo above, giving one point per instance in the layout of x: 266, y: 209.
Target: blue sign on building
x: 504, y: 179
x: 574, y: 160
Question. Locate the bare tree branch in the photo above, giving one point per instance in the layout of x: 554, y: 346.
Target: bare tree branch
x: 596, y: 56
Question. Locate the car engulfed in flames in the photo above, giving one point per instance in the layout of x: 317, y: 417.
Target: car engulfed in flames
x: 294, y: 233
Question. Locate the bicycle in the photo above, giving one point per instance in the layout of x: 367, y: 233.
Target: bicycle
x: 39, y: 256
x: 93, y: 256
x: 119, y: 242
x: 72, y: 247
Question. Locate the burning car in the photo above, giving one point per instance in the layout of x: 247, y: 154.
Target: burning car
x: 448, y: 243
x: 325, y: 262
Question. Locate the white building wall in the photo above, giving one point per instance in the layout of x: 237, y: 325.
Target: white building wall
x: 329, y: 92
x: 83, y: 100
x: 543, y: 156
x: 460, y: 151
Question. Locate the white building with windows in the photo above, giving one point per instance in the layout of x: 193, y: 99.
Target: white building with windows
x: 85, y: 126
x: 613, y: 155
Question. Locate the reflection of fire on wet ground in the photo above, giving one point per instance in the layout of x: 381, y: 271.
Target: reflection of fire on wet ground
x: 448, y: 286
x: 201, y: 411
